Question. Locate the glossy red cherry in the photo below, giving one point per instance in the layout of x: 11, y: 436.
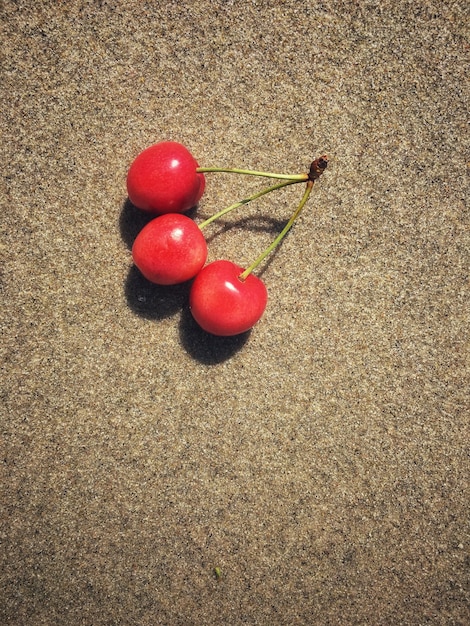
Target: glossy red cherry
x: 163, y: 179
x: 222, y: 304
x: 170, y: 249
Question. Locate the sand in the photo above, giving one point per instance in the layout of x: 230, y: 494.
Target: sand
x: 319, y: 462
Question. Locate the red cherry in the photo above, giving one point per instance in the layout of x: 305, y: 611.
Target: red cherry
x: 163, y: 179
x: 222, y: 304
x: 170, y: 249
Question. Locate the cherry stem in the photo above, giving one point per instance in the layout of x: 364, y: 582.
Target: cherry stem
x: 246, y: 200
x: 294, y: 177
x: 281, y: 235
x: 317, y: 168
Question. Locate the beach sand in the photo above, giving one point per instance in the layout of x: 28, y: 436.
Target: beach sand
x: 314, y: 470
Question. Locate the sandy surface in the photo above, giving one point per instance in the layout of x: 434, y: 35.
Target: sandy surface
x: 321, y: 461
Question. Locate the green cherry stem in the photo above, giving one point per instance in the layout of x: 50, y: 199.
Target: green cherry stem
x: 294, y: 177
x: 263, y: 192
x: 317, y: 168
x: 281, y: 235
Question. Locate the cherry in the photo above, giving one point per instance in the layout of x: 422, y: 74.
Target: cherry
x: 224, y: 299
x: 170, y: 249
x: 222, y: 303
x: 163, y: 179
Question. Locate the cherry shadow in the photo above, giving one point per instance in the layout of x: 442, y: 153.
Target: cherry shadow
x: 131, y: 222
x: 155, y: 302
x: 204, y: 347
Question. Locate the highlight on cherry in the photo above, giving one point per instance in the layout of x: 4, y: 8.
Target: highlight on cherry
x: 166, y: 181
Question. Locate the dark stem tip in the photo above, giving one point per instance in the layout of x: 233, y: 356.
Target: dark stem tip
x: 318, y: 167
